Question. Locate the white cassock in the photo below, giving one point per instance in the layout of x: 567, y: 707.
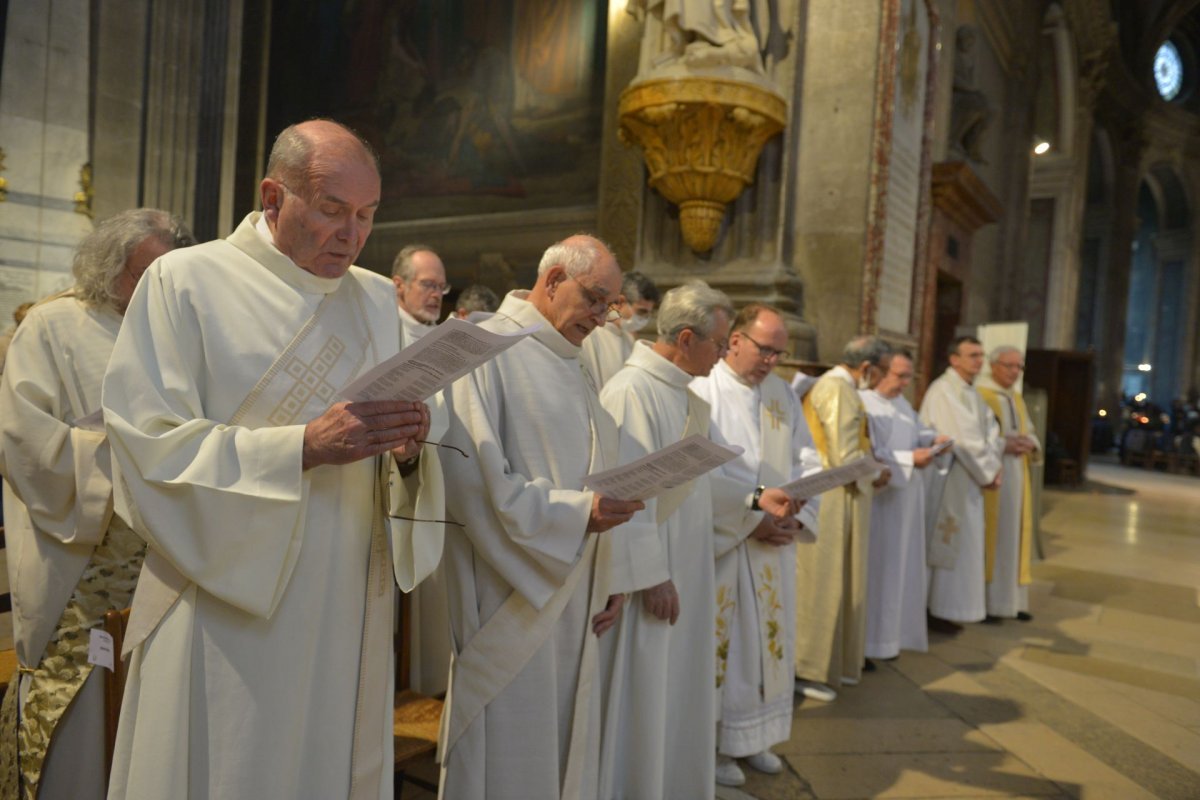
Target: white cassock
x: 954, y: 543
x: 896, y: 571
x: 411, y: 328
x: 524, y: 576
x: 661, y: 708
x: 756, y: 589
x: 262, y: 622
x: 58, y: 510
x: 1008, y: 514
x: 605, y: 351
x: 429, y: 664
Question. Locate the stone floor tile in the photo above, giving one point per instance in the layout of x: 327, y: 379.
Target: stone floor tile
x: 921, y: 775
x: 847, y: 736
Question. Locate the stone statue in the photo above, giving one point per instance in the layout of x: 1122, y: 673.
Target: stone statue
x: 970, y: 113
x: 703, y: 34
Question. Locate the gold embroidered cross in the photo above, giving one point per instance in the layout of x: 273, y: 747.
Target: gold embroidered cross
x: 948, y: 527
x: 774, y: 413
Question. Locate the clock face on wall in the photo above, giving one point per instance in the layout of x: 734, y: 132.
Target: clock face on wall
x: 1168, y: 71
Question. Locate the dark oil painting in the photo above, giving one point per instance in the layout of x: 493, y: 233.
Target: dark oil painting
x: 475, y: 106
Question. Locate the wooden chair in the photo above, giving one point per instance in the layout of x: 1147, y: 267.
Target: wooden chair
x: 415, y: 717
x: 115, y: 623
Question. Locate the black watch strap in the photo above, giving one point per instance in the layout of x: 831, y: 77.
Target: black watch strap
x: 754, y: 506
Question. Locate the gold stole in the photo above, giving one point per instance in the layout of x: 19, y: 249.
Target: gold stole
x: 991, y: 497
x: 774, y: 469
x: 818, y: 433
x: 502, y: 647
x: 106, y: 584
x: 282, y: 396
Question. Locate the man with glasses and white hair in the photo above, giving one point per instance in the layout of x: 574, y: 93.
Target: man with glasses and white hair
x: 534, y: 577
x: 755, y: 605
x: 1008, y: 511
x: 420, y: 280
x: 70, y: 559
x: 831, y: 577
x: 659, y: 733
x: 607, y: 349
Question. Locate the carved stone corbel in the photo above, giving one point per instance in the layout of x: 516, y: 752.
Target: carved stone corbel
x: 701, y: 137
x: 83, y: 198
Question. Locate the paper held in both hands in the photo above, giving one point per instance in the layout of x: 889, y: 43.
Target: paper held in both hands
x: 823, y: 481
x: 662, y: 470
x: 433, y: 362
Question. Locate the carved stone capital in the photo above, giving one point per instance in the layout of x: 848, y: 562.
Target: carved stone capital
x: 701, y: 138
x: 963, y: 197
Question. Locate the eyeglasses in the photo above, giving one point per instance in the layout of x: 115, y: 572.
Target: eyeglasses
x: 1018, y: 367
x: 599, y: 305
x: 764, y: 352
x: 429, y: 286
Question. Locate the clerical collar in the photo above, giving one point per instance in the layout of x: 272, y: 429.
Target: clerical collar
x: 645, y: 357
x: 987, y: 382
x: 958, y: 379
x: 253, y: 237
x: 840, y: 371
x: 517, y: 308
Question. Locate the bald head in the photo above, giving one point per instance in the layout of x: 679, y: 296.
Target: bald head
x: 306, y: 149
x: 578, y: 279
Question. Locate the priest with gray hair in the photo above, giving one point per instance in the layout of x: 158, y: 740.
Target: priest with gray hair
x: 536, y: 572
x: 659, y: 734
x: 831, y: 577
x: 71, y: 560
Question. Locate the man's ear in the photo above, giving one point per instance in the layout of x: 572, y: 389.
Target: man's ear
x: 271, y: 195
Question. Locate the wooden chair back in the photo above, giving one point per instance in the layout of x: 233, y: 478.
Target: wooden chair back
x: 115, y: 623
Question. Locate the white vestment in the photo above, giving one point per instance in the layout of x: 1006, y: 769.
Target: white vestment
x: 661, y: 704
x: 896, y: 571
x: 524, y: 577
x: 248, y: 683
x: 1006, y: 595
x: 57, y: 508
x: 953, y: 407
x: 756, y: 606
x: 605, y: 351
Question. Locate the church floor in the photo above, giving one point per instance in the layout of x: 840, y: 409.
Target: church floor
x: 1097, y: 697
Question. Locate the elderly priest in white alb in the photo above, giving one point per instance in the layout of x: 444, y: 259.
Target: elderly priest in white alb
x: 70, y: 559
x: 1008, y: 511
x: 659, y: 732
x: 955, y: 537
x: 896, y: 571
x: 756, y: 567
x: 278, y: 519
x: 531, y: 571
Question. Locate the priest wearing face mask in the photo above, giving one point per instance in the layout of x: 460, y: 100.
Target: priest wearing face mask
x: 607, y: 349
x: 831, y: 576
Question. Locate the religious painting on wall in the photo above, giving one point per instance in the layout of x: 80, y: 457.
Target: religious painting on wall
x: 475, y: 106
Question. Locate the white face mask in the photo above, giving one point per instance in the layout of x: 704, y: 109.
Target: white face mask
x: 636, y: 322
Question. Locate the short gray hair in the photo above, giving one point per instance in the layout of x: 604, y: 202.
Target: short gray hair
x: 102, y: 255
x: 576, y: 254
x: 871, y: 349
x: 478, y: 297
x: 692, y: 306
x: 1002, y: 350
x: 402, y: 266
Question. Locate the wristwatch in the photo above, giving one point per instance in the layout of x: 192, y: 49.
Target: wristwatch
x: 754, y: 506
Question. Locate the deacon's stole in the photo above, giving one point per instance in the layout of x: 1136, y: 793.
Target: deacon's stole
x: 774, y: 469
x: 328, y: 351
x: 991, y: 497
x: 503, y: 645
